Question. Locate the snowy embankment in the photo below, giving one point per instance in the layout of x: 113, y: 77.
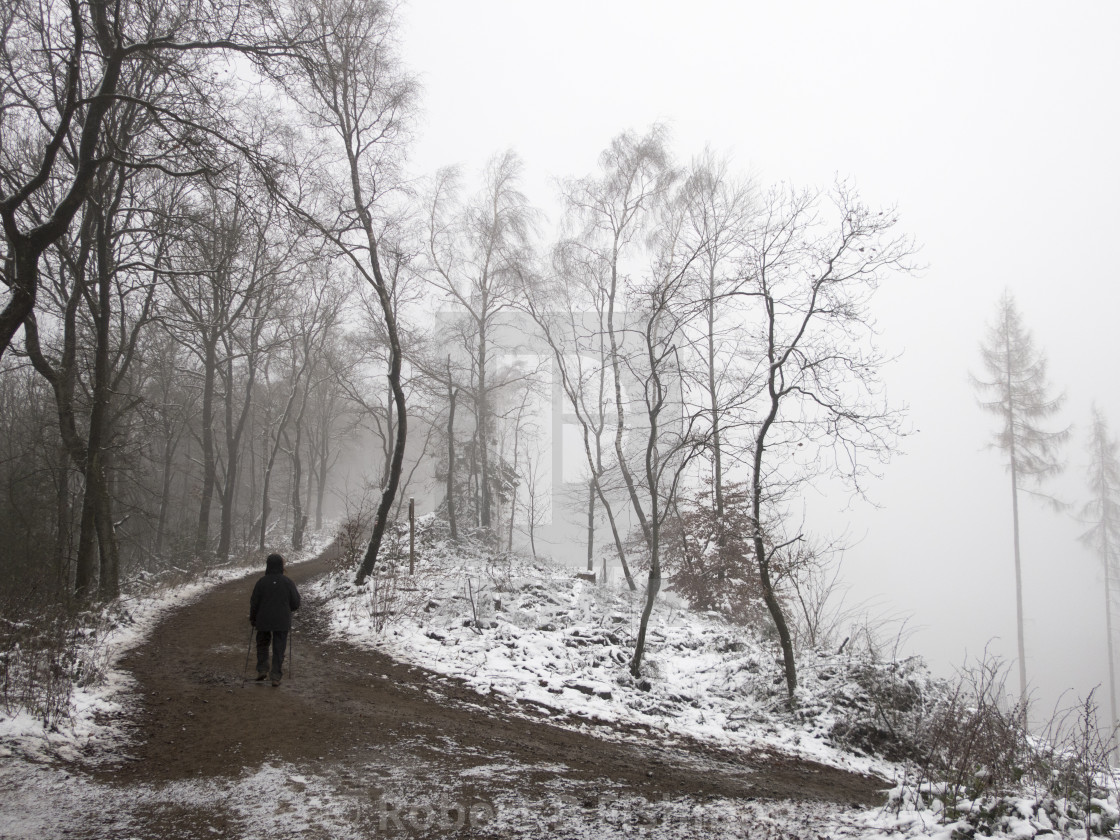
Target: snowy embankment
x: 548, y: 643
x: 99, y: 694
x: 555, y: 644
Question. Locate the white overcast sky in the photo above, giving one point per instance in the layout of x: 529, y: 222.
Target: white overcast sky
x: 995, y: 129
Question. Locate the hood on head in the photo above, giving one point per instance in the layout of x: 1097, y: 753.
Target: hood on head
x: 274, y: 565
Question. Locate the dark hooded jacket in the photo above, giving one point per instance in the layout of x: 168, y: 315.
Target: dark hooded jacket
x: 274, y: 599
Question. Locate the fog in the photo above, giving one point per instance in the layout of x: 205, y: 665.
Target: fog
x: 993, y: 129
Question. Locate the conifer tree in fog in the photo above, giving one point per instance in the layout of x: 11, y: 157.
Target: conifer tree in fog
x: 1102, y: 514
x: 1015, y: 389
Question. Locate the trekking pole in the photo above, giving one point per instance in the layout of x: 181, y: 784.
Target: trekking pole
x: 292, y: 652
x: 248, y: 649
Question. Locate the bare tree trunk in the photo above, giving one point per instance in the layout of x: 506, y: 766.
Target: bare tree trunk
x: 63, y: 524
x: 251, y: 519
x: 512, y: 505
x: 762, y: 555
x: 1018, y: 587
x: 608, y: 508
x: 85, y: 572
x: 108, y: 586
x: 209, y: 469
x: 516, y: 462
x: 476, y: 493
x: 309, y: 489
x: 298, y: 520
x: 653, y: 586
x: 397, y: 464
x: 655, y: 387
x: 225, y: 526
x: 482, y: 433
x: 266, y: 489
x: 1018, y: 565
x: 165, y: 494
x: 325, y: 457
x: 714, y: 408
x: 234, y: 434
x: 281, y: 431
x: 620, y: 412
x: 452, y: 393
x: 616, y: 535
x: 1107, y: 551
x: 533, y: 524
x: 108, y: 582
x: 320, y: 487
x: 591, y: 525
x: 321, y: 481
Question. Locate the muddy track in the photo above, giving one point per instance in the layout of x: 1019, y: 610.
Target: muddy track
x: 345, y: 712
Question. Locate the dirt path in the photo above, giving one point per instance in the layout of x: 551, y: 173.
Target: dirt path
x: 387, y: 734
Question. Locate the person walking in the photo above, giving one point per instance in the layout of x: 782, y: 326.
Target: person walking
x: 273, y: 601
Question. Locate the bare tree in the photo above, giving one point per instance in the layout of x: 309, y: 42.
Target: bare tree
x: 314, y: 338
x: 116, y: 252
x: 35, y: 480
x: 516, y: 430
x: 536, y: 512
x: 719, y: 209
x: 1015, y: 389
x: 671, y: 439
x: 479, y: 254
x: 169, y: 406
x: 304, y: 327
x: 103, y: 285
x: 1102, y: 514
x: 366, y: 351
x: 333, y: 416
x: 639, y: 286
x: 217, y: 297
x: 613, y: 211
x: 350, y: 89
x: 582, y: 363
x: 67, y: 70
x: 813, y: 263
x: 606, y: 215
x: 271, y: 256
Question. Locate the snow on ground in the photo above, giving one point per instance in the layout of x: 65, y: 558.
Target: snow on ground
x: 280, y: 801
x: 524, y: 631
x: 272, y: 802
x: 548, y: 641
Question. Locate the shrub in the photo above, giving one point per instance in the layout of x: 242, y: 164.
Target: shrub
x: 44, y: 653
x: 711, y: 561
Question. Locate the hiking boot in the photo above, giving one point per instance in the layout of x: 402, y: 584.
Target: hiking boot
x: 261, y: 675
x: 275, y: 680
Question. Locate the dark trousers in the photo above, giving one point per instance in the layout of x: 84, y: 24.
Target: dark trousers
x: 279, y: 640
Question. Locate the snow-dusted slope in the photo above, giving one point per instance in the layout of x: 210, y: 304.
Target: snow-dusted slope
x: 551, y: 642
